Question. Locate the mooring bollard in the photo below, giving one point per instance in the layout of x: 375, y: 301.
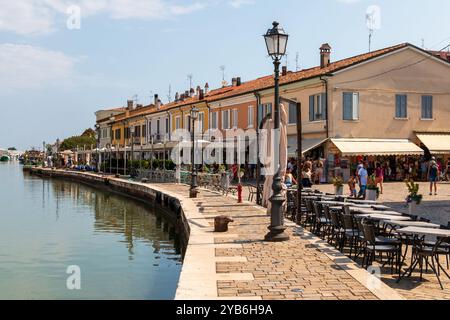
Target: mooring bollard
x: 221, y: 223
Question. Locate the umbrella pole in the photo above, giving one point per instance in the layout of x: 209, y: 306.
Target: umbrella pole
x: 299, y: 163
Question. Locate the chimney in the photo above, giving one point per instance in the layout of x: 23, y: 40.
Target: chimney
x: 186, y: 94
x: 238, y: 81
x: 206, y: 88
x: 177, y: 97
x: 234, y: 82
x: 284, y: 71
x: 201, y: 95
x: 198, y: 91
x: 157, y: 102
x: 130, y: 104
x: 325, y: 52
x: 191, y: 92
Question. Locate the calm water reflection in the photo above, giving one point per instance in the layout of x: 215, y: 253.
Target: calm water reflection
x: 124, y: 249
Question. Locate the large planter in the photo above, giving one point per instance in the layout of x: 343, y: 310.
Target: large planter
x: 412, y: 208
x: 371, y: 195
x: 339, y: 191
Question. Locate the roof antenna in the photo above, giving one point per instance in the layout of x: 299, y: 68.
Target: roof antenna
x: 287, y: 60
x: 190, y: 77
x: 169, y: 94
x: 373, y: 21
x: 297, y: 62
x: 224, y: 82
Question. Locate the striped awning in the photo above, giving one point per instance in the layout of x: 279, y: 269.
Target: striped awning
x: 376, y: 147
x: 436, y: 143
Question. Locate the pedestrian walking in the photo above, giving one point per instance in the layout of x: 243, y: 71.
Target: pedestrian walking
x: 433, y: 175
x: 363, y: 177
x: 379, y: 177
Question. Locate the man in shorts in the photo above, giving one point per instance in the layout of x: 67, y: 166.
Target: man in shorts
x: 433, y: 175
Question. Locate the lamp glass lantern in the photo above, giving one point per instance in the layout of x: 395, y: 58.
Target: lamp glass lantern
x: 194, y: 113
x: 276, y: 41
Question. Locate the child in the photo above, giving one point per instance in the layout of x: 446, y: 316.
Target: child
x: 352, y: 186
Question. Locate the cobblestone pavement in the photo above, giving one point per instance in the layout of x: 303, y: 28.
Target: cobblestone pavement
x: 295, y: 269
x: 435, y: 208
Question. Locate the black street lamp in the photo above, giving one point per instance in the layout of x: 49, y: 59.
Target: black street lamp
x: 194, y: 186
x: 276, y: 42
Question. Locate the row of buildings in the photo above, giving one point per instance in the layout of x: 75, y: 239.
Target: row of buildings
x: 390, y: 106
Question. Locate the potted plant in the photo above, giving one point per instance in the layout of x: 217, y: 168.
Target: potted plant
x: 338, y: 183
x: 372, y: 192
x: 414, y: 198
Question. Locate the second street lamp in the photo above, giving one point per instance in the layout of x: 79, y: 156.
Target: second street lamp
x: 194, y: 186
x: 276, y: 41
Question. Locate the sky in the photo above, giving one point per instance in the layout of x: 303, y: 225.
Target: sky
x: 62, y: 60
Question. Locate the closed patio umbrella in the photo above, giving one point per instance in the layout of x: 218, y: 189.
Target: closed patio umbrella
x: 266, y: 140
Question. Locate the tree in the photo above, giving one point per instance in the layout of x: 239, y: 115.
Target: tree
x: 12, y: 149
x: 86, y: 139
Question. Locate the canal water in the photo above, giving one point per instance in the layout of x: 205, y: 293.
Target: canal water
x: 113, y: 247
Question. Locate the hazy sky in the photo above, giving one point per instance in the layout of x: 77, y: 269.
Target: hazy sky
x: 53, y: 79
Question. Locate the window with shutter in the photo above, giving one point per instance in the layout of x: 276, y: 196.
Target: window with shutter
x: 350, y: 106
x: 292, y: 113
x: 427, y: 107
x: 401, y: 106
x: 317, y: 107
x: 250, y: 116
x: 311, y: 108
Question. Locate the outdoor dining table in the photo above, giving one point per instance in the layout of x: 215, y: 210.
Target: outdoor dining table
x: 372, y: 211
x: 404, y: 224
x: 419, y: 234
x: 381, y: 217
x: 332, y: 203
x: 380, y: 207
x: 362, y: 201
x: 355, y: 205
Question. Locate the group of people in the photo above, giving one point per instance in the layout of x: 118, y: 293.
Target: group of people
x: 361, y: 177
x: 311, y: 172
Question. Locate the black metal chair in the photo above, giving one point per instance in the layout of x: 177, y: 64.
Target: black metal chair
x: 424, y: 253
x: 309, y: 214
x: 336, y: 229
x: 321, y: 223
x: 350, y: 234
x: 372, y: 248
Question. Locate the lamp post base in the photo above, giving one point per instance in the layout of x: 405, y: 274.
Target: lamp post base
x: 276, y: 234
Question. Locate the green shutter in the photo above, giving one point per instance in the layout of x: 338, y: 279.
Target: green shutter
x: 311, y: 108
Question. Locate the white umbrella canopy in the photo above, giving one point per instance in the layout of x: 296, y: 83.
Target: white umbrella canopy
x: 267, y: 148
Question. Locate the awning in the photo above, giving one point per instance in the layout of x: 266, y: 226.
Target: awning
x: 307, y: 145
x: 376, y: 147
x: 436, y: 143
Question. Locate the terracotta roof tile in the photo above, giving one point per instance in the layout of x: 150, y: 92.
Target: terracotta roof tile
x: 266, y: 82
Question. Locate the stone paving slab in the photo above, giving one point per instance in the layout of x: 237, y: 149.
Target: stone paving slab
x: 292, y: 270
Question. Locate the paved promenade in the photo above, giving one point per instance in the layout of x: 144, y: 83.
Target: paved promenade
x: 238, y: 264
x: 243, y: 266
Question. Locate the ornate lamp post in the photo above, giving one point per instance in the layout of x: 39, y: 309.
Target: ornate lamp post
x: 194, y: 186
x: 132, y: 131
x: 276, y: 42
